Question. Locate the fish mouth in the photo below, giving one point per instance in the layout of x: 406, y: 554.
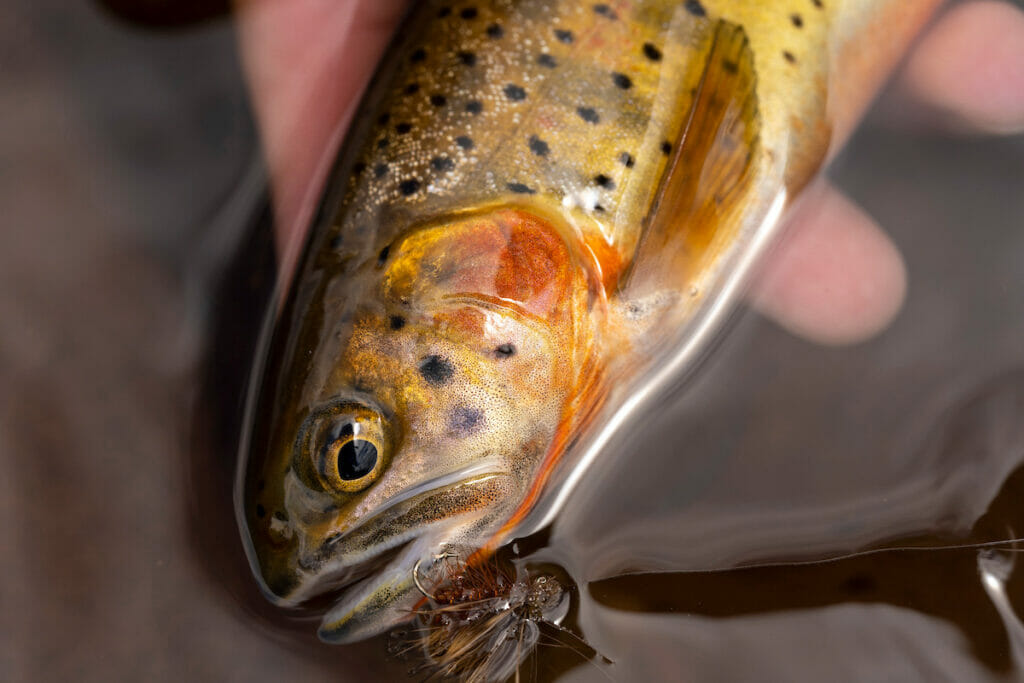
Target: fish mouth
x: 475, y: 472
x: 351, y: 556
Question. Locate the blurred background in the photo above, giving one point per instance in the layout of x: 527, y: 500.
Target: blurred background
x: 136, y: 258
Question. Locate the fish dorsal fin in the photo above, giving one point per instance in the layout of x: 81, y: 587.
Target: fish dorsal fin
x: 701, y: 195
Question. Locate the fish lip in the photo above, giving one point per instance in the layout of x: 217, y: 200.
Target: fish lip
x: 478, y: 471
x: 330, y: 575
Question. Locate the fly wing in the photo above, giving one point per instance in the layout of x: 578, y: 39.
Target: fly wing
x: 700, y: 201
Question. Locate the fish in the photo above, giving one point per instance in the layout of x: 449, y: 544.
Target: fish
x: 543, y: 214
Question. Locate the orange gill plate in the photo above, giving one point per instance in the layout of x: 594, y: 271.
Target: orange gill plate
x: 543, y: 213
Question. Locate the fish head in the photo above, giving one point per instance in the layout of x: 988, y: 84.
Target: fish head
x: 428, y: 408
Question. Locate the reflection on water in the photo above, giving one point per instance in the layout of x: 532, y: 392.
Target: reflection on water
x: 953, y: 574
x: 126, y: 174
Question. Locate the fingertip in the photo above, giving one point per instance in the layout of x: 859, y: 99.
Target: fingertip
x: 836, y: 278
x: 306, y: 62
x: 971, y: 65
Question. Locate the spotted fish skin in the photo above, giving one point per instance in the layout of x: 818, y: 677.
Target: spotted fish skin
x: 582, y: 103
x: 538, y: 204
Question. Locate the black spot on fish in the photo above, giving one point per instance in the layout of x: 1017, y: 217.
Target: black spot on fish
x: 818, y: 3
x: 403, y: 128
x: 599, y: 209
x: 495, y: 31
x: 412, y: 89
x: 383, y: 119
x: 730, y: 66
x: 261, y: 511
x: 382, y: 257
x: 444, y: 12
x: 409, y: 186
x: 358, y: 168
x: 397, y: 322
x: 666, y: 147
x: 442, y: 164
x: 652, y: 53
x: 438, y: 100
x: 515, y: 92
x: 520, y: 188
x: 436, y: 370
x: 538, y: 146
x: 563, y: 36
x: 474, y: 106
x: 464, y: 141
x: 626, y: 159
x: 588, y: 114
x: 468, y: 13
x: 604, y: 181
x: 789, y: 57
x: 418, y: 56
x: 622, y: 80
x: 505, y: 351
x: 379, y: 170
x: 695, y: 8
x: 797, y: 20
x: 465, y: 420
x: 382, y: 143
x: 467, y: 58
x: 336, y: 242
x: 605, y: 11
x: 547, y: 60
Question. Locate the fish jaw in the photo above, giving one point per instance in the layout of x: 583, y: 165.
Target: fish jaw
x: 349, y: 558
x: 380, y: 602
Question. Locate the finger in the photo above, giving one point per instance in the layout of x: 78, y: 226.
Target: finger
x: 835, y: 278
x: 307, y: 61
x: 971, y: 65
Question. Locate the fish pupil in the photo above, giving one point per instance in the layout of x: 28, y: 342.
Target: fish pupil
x: 356, y: 459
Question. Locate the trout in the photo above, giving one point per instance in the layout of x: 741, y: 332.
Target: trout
x: 543, y: 211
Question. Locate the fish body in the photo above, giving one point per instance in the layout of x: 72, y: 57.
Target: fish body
x: 542, y: 207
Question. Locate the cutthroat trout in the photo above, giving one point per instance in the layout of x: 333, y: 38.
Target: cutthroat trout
x: 543, y: 211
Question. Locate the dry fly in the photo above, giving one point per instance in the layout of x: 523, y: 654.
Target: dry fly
x: 480, y: 622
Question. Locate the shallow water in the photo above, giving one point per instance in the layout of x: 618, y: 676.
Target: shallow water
x: 133, y: 273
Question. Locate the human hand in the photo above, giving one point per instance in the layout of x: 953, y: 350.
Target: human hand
x: 837, y: 278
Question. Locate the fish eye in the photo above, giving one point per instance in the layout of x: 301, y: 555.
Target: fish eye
x: 342, y: 449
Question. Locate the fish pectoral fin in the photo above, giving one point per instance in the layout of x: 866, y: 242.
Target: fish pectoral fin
x: 378, y: 603
x: 699, y: 204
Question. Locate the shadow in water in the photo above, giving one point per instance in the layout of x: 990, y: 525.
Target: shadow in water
x: 934, y: 575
